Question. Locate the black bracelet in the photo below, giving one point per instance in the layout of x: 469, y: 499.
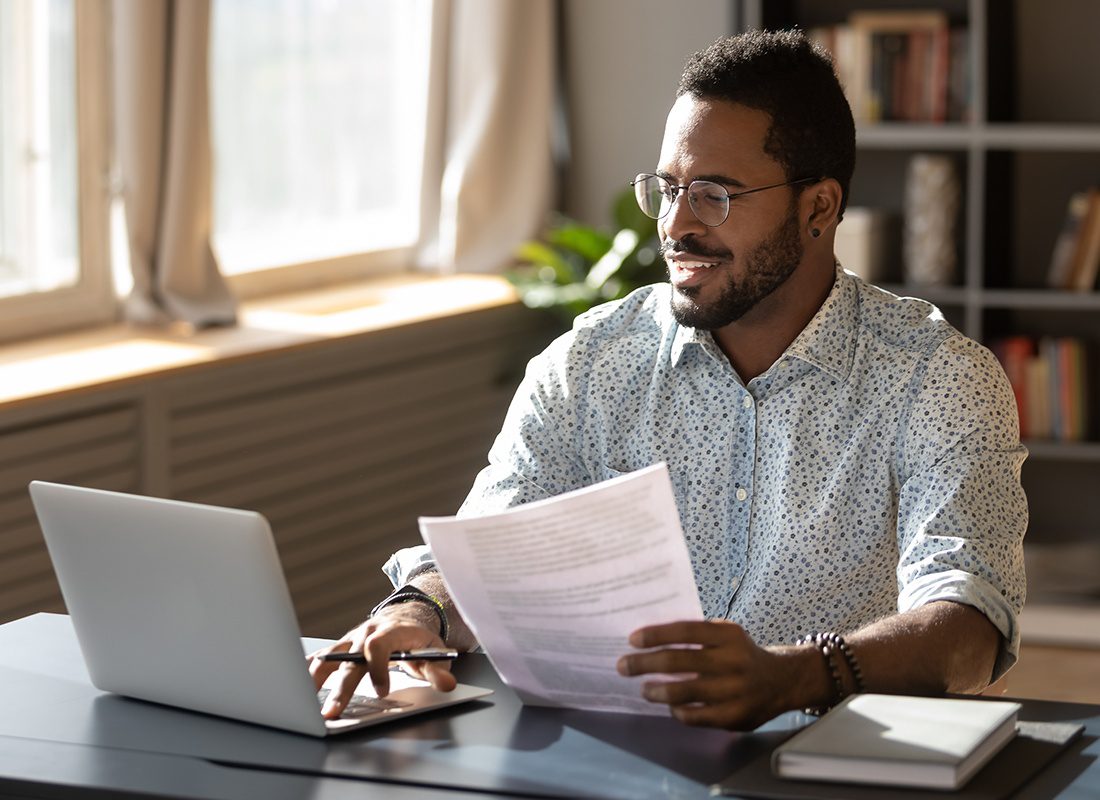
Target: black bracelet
x: 409, y: 593
x: 838, y: 643
x: 826, y: 649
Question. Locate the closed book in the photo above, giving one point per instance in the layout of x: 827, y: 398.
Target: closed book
x: 1037, y: 376
x: 896, y: 740
x: 1061, y: 259
x: 1086, y: 253
x: 1048, y: 347
x: 879, y: 37
x: 1014, y: 353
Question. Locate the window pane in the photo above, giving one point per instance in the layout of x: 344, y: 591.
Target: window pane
x: 38, y: 168
x: 318, y: 121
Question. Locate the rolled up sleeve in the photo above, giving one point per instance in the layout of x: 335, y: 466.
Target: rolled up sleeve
x: 962, y: 512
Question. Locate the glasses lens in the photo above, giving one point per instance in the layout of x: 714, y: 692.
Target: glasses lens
x: 709, y: 201
x: 652, y: 193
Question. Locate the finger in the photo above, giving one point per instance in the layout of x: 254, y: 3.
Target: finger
x: 378, y: 651
x: 674, y: 661
x: 319, y: 670
x: 709, y: 691
x: 706, y: 633
x: 348, y: 676
x: 439, y: 675
x: 732, y: 716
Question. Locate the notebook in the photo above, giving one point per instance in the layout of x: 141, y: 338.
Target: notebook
x: 896, y: 740
x: 186, y: 605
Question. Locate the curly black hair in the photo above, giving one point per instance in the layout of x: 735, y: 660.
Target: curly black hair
x: 785, y: 75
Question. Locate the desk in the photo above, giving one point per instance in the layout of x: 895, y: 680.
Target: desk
x: 60, y: 737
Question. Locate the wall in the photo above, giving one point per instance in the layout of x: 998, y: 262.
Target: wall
x: 622, y: 62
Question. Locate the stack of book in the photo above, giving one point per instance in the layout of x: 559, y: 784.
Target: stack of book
x: 1075, y: 261
x: 907, y: 66
x: 1049, y: 378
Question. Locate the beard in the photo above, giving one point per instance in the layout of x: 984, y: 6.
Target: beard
x: 766, y: 267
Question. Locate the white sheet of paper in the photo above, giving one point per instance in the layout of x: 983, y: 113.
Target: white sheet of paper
x: 552, y: 589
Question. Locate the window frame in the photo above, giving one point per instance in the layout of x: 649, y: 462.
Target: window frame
x: 304, y: 275
x: 92, y: 298
x: 297, y: 276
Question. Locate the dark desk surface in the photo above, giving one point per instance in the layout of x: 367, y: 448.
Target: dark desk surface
x: 59, y: 735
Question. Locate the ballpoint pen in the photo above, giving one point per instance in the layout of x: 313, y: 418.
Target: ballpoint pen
x: 423, y: 654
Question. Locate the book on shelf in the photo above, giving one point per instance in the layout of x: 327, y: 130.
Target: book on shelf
x: 900, y: 65
x: 1061, y: 257
x: 1086, y: 254
x: 896, y: 740
x: 1049, y: 379
x: 1014, y: 353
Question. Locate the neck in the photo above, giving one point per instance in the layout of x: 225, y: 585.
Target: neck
x: 757, y: 340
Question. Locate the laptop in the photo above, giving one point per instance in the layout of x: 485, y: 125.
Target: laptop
x: 186, y: 605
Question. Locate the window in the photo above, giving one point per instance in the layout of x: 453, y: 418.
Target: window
x: 319, y: 121
x: 54, y: 269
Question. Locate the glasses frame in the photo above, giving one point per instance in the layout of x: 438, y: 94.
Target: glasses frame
x: 677, y: 188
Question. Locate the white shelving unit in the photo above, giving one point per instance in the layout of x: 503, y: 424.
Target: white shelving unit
x: 1033, y: 138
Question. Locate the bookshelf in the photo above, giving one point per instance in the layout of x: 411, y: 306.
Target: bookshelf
x: 1030, y: 139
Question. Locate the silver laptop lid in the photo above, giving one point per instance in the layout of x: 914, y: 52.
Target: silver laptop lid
x: 179, y: 603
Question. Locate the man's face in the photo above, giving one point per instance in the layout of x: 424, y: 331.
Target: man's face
x: 719, y: 274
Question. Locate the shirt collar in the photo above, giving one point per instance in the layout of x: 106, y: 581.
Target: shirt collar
x: 827, y: 342
x: 689, y: 336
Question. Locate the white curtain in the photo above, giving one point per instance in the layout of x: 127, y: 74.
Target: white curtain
x: 488, y: 173
x: 489, y: 170
x: 162, y: 128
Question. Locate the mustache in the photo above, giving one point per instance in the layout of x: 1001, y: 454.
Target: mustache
x: 690, y: 247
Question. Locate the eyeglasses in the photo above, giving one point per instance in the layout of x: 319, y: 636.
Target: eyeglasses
x: 709, y: 201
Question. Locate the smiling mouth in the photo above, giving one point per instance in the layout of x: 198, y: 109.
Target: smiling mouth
x: 684, y: 273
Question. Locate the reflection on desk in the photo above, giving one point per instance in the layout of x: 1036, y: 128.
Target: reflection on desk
x: 61, y: 733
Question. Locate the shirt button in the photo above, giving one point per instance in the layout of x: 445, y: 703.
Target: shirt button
x: 742, y: 494
x: 746, y: 401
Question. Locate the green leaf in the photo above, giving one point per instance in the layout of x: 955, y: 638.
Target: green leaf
x: 626, y: 214
x: 589, y: 243
x: 622, y: 248
x: 540, y: 254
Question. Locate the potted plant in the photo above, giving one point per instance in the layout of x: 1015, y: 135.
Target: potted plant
x: 576, y: 266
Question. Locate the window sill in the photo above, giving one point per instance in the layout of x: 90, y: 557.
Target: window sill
x: 114, y: 355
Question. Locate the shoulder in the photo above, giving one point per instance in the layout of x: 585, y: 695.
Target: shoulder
x: 915, y: 325
x: 902, y: 323
x: 942, y: 354
x: 636, y: 324
x: 644, y: 311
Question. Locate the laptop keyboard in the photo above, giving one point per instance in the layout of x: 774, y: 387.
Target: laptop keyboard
x: 362, y: 705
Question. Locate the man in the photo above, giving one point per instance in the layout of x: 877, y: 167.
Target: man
x: 844, y: 461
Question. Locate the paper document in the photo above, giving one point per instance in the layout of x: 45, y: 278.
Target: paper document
x: 552, y: 589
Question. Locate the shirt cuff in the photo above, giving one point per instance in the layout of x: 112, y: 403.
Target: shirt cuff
x: 968, y: 589
x: 407, y: 563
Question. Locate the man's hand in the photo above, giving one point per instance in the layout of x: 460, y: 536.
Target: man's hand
x: 389, y: 631
x: 717, y: 675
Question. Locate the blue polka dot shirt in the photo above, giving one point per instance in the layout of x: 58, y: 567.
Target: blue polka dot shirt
x: 873, y: 468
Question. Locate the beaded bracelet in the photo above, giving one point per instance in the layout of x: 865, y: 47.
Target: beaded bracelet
x: 831, y: 665
x: 829, y: 644
x: 409, y: 593
x: 838, y: 643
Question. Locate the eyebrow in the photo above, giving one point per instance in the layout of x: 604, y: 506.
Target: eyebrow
x: 725, y: 180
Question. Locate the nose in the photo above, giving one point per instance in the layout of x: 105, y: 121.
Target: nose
x: 680, y: 219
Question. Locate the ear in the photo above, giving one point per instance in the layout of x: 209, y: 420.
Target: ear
x: 820, y: 206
